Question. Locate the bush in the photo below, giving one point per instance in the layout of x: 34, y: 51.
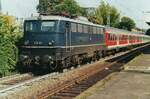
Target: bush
x: 9, y: 35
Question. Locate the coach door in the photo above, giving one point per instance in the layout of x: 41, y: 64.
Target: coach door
x: 68, y: 37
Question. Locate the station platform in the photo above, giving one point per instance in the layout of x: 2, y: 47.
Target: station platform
x: 140, y: 63
x: 132, y: 83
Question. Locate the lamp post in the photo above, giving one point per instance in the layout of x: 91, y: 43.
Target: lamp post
x: 148, y: 12
x: 108, y: 16
x: 0, y: 6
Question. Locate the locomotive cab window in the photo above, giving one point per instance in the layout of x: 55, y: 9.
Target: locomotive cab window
x: 31, y: 26
x: 47, y: 26
x: 40, y: 26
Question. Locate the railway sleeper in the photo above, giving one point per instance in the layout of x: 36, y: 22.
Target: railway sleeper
x: 66, y: 94
x: 71, y: 91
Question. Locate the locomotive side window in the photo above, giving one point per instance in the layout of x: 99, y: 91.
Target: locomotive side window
x: 101, y: 30
x: 91, y: 29
x: 80, y: 28
x: 98, y: 30
x: 94, y: 30
x: 73, y: 27
x: 85, y: 28
x: 48, y: 26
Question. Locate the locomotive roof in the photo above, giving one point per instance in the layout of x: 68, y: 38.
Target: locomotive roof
x: 64, y: 19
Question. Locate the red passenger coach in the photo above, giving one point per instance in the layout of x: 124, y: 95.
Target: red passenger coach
x: 117, y: 39
x: 111, y: 39
x: 123, y: 39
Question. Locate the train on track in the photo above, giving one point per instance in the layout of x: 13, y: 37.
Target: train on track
x: 57, y: 42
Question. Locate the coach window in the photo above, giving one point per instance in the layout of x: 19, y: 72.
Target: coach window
x: 114, y: 37
x: 122, y: 37
x: 110, y: 37
x: 119, y: 37
x: 73, y: 27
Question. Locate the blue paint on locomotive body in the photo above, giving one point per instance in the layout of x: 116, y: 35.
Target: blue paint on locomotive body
x: 58, y: 37
x: 42, y: 38
x: 55, y: 40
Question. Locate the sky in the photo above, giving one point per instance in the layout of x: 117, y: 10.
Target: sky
x: 135, y: 9
x: 19, y: 8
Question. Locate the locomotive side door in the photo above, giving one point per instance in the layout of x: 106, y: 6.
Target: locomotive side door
x: 68, y: 37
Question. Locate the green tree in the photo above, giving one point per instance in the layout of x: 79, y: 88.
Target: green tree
x: 126, y: 23
x: 69, y: 6
x: 107, y: 14
x: 9, y: 35
x: 95, y: 19
x: 47, y: 6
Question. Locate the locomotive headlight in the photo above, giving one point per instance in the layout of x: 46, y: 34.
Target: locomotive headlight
x: 26, y: 42
x: 50, y: 43
x: 49, y: 57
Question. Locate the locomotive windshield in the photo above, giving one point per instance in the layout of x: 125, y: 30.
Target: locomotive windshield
x: 40, y: 26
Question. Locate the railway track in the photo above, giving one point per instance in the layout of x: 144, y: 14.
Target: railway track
x: 8, y: 81
x: 69, y: 84
x: 88, y: 77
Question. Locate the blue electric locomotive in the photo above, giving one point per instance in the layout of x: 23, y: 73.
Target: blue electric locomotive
x: 59, y: 42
